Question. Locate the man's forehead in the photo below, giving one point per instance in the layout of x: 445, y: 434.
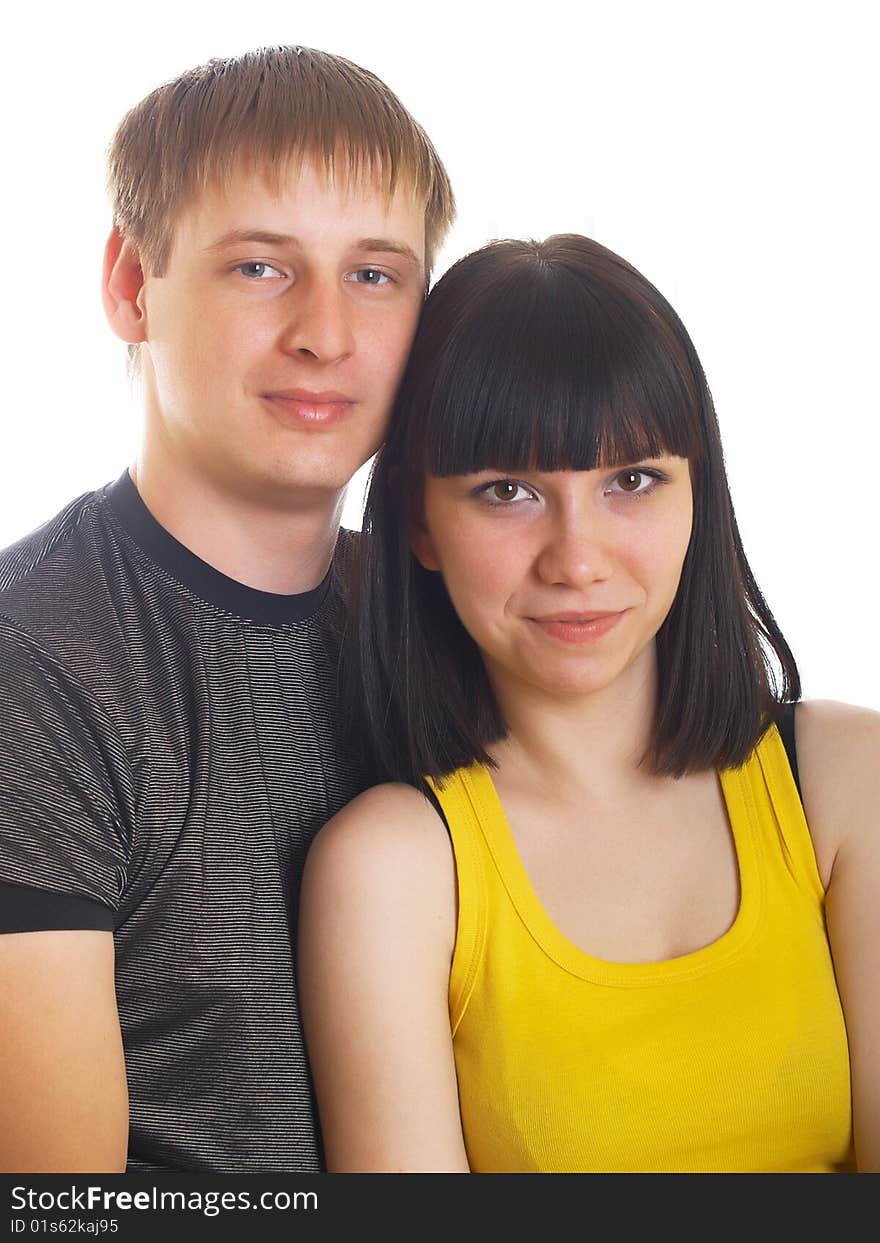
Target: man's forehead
x: 259, y: 197
x: 300, y: 174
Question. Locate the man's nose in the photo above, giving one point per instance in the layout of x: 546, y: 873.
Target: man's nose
x: 318, y: 321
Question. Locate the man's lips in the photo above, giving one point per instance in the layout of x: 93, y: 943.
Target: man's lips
x: 572, y: 627
x: 308, y: 408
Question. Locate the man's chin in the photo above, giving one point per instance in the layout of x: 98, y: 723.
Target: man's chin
x: 292, y: 487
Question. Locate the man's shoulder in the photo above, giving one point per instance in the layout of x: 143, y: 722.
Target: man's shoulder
x: 53, y: 581
x: 57, y: 548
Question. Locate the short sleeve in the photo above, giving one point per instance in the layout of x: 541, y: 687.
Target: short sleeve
x: 23, y: 909
x: 63, y: 774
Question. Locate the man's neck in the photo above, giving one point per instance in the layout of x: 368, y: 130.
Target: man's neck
x: 284, y: 549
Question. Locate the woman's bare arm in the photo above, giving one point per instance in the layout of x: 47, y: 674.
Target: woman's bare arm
x: 839, y: 761
x: 376, y: 934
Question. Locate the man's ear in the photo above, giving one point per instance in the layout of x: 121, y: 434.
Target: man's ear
x: 422, y: 547
x: 122, y: 285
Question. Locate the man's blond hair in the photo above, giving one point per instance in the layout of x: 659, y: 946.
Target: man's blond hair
x: 266, y: 108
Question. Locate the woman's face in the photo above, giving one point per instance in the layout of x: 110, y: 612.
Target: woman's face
x: 562, y: 578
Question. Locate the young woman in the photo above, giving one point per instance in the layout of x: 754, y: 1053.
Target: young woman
x: 601, y: 917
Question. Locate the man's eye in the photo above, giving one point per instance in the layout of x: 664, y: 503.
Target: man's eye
x: 370, y: 276
x: 256, y: 269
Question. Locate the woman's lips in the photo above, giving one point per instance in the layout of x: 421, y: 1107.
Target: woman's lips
x: 309, y: 409
x: 578, y: 627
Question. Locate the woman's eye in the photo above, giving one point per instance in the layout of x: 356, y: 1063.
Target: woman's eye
x: 632, y: 482
x: 256, y: 269
x: 370, y: 276
x: 504, y: 491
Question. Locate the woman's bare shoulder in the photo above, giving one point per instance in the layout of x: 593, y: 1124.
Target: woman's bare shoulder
x: 388, y: 834
x: 375, y: 942
x: 837, y: 740
x: 838, y: 749
x: 379, y: 889
x: 386, y: 814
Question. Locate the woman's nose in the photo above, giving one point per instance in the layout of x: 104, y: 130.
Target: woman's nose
x: 576, y: 552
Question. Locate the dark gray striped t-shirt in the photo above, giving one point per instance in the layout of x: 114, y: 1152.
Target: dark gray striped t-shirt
x: 167, y: 752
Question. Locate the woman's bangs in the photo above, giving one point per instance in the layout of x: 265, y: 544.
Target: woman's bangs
x: 558, y: 383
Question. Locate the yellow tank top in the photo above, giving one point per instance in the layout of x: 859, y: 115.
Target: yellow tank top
x: 729, y: 1059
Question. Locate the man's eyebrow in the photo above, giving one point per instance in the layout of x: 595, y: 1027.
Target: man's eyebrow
x: 385, y: 245
x: 234, y: 236
x: 388, y: 246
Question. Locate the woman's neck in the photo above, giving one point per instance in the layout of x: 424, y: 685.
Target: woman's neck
x: 593, y: 740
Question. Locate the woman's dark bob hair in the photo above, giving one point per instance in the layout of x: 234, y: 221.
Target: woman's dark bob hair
x: 553, y: 355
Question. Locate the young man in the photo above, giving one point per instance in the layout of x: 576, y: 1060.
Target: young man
x: 168, y: 643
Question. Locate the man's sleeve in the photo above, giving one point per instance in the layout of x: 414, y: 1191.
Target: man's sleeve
x: 64, y: 837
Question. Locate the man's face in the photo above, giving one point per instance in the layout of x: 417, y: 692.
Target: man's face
x: 277, y: 336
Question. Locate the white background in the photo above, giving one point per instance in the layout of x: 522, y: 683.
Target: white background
x: 728, y: 150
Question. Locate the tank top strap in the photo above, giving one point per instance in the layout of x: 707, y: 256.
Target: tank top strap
x: 779, y: 807
x: 456, y: 795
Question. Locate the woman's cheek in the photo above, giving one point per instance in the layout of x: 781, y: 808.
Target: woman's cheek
x: 479, y: 588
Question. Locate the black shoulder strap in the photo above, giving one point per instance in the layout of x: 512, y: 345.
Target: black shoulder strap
x: 785, y: 725
x: 433, y: 799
